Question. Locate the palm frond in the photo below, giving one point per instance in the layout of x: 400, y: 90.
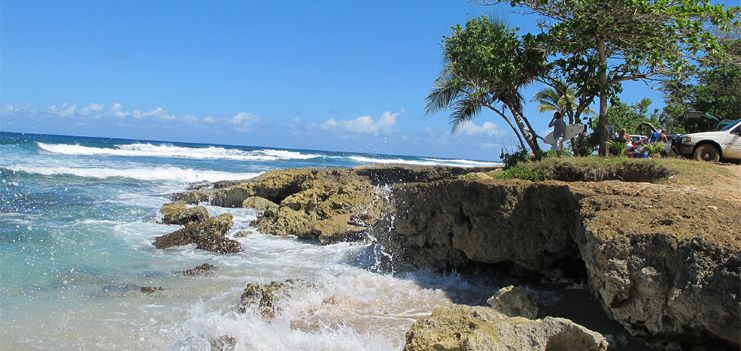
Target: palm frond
x: 465, y: 109
x: 445, y: 91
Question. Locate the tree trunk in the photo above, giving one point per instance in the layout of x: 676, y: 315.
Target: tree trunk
x: 504, y: 117
x: 526, y: 133
x: 603, y: 92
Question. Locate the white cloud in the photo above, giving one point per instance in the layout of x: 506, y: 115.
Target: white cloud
x: 244, y: 118
x: 243, y: 121
x: 117, y: 110
x: 91, y: 108
x: 209, y: 120
x: 11, y: 110
x: 64, y: 110
x: 486, y: 128
x: 363, y: 124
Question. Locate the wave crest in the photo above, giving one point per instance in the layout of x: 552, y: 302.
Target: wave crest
x: 185, y: 175
x: 171, y: 151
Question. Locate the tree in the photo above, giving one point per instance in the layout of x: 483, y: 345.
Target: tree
x: 487, y: 65
x: 602, y: 43
x: 629, y: 116
x: 713, y: 87
x: 562, y: 96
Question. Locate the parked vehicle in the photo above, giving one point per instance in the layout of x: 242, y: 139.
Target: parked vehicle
x: 714, y: 145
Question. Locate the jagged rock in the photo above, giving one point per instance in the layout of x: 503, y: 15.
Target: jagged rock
x: 202, y: 269
x: 224, y: 343
x: 242, y: 234
x: 675, y: 280
x: 150, y: 289
x: 316, y: 203
x: 207, y: 235
x: 263, y: 297
x: 177, y: 213
x: 260, y: 204
x: 515, y: 301
x: 191, y: 197
x: 232, y: 196
x: 467, y: 328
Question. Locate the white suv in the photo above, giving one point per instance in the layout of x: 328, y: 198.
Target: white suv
x: 713, y: 146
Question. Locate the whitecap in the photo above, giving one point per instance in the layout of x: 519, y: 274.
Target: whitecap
x: 171, y: 151
x: 184, y: 175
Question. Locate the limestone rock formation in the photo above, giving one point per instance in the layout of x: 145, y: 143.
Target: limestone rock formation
x: 467, y: 328
x: 264, y: 297
x: 515, y: 301
x: 191, y: 197
x: 327, y: 205
x: 662, y: 264
x: 260, y: 204
x: 201, y: 269
x: 177, y: 213
x: 208, y: 235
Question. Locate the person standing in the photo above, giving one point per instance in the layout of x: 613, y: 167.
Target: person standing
x: 559, y: 128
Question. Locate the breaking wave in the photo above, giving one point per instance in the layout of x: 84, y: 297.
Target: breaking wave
x: 151, y: 150
x: 185, y: 175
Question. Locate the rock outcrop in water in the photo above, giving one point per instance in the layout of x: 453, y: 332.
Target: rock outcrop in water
x: 178, y: 213
x: 327, y: 205
x: 208, y: 235
x: 664, y: 261
x: 466, y: 328
x: 263, y: 298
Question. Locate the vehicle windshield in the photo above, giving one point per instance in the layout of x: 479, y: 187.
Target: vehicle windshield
x: 731, y: 125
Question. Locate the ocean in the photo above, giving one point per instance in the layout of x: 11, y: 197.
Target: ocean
x: 77, y: 219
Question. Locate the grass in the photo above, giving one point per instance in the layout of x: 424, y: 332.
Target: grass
x: 667, y: 171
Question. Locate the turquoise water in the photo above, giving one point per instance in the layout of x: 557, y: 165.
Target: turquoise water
x: 77, y: 218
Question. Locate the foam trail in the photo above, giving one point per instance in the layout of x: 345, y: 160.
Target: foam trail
x: 185, y: 175
x: 426, y: 162
x: 150, y: 150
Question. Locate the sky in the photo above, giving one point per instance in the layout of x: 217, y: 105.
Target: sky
x: 322, y: 75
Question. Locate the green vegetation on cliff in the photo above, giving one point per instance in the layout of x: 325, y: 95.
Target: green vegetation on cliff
x: 668, y: 171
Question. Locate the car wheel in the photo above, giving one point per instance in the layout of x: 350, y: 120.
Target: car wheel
x: 707, y: 152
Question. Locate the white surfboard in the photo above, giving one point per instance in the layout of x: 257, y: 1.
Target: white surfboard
x: 571, y: 131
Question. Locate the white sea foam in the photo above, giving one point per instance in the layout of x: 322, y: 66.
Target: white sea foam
x: 426, y: 162
x: 151, y: 150
x: 184, y: 175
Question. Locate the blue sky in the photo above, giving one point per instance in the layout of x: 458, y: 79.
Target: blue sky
x: 331, y: 75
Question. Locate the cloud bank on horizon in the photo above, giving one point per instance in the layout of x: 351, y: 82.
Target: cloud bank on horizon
x: 365, y: 131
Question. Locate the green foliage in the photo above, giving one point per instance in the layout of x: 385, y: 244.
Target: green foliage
x: 588, y: 169
x: 617, y: 148
x: 713, y: 87
x: 655, y: 148
x: 598, y: 44
x: 487, y: 65
x: 511, y: 159
x: 629, y: 116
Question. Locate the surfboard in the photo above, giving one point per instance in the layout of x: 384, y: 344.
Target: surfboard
x: 571, y: 131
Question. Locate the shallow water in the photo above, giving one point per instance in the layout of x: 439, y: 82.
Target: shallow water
x: 77, y: 218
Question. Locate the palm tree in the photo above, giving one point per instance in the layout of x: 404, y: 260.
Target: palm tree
x: 487, y: 66
x: 560, y: 96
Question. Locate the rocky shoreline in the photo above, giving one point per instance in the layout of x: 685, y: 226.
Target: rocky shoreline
x: 663, y: 261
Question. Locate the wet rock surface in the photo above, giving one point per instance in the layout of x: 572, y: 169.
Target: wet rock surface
x: 665, y: 280
x: 469, y: 328
x: 208, y: 235
x: 263, y: 298
x: 178, y: 213
x: 202, y: 269
x: 515, y: 301
x: 327, y: 205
